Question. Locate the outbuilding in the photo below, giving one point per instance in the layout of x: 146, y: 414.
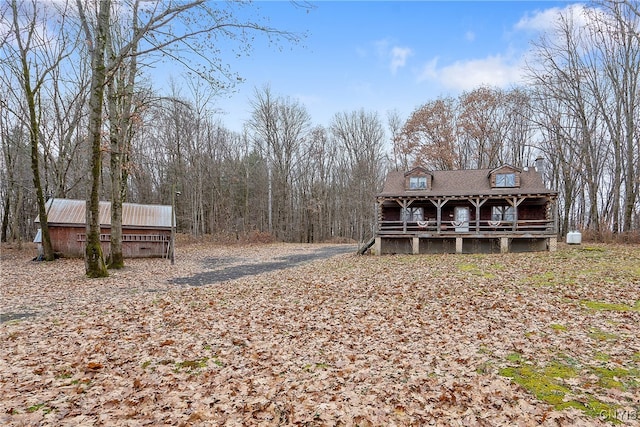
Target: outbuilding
x: 146, y: 229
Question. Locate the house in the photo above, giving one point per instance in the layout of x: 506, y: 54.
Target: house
x: 146, y: 229
x: 506, y: 209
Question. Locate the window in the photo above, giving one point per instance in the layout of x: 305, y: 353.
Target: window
x: 412, y: 214
x: 418, y: 183
x: 505, y: 180
x: 503, y: 213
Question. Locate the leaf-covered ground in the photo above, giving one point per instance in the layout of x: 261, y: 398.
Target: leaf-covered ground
x: 516, y: 339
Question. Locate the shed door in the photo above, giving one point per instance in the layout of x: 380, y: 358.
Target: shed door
x: 461, y: 219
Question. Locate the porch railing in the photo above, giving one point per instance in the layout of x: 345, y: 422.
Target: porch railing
x: 453, y: 227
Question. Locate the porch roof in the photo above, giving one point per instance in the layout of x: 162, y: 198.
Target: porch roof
x: 464, y: 183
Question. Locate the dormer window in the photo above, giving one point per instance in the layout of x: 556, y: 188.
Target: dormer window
x: 418, y: 179
x: 505, y: 180
x: 418, y: 183
x: 505, y: 176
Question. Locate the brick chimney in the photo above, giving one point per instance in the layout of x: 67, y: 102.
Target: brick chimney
x: 540, y: 165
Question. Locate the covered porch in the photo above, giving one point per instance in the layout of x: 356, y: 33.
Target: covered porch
x: 466, y: 224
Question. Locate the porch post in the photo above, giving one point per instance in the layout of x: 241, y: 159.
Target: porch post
x: 439, y: 204
x: 515, y: 202
x: 379, y: 214
x: 554, y: 213
x: 504, y: 245
x: 477, y: 203
x: 415, y: 245
x: 403, y: 204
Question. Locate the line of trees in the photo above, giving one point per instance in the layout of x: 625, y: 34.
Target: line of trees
x: 79, y: 119
x: 579, y: 109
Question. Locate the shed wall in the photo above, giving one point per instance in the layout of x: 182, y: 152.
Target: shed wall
x: 69, y: 241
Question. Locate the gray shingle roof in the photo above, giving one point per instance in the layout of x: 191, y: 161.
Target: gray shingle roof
x: 470, y: 182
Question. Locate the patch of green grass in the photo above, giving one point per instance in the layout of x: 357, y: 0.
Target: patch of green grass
x: 558, y: 327
x: 548, y: 384
x: 498, y: 266
x: 65, y: 375
x: 592, y: 249
x: 594, y: 408
x: 538, y: 383
x: 514, y: 357
x: 484, y: 368
x: 483, y: 349
x: 618, y: 377
x: 146, y: 364
x: 557, y: 369
x: 312, y: 367
x: 192, y: 365
x: 548, y: 278
x: 600, y: 335
x: 606, y: 306
x: 470, y: 268
x: 475, y: 270
x: 39, y: 406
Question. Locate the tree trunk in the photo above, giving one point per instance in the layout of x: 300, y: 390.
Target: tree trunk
x: 5, y: 218
x: 94, y: 260
x: 120, y: 106
x: 34, y: 132
x: 117, y: 122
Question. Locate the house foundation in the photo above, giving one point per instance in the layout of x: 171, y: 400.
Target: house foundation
x: 469, y: 244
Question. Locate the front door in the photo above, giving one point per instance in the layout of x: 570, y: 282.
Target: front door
x: 461, y: 219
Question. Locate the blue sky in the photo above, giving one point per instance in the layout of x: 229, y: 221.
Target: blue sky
x: 382, y: 56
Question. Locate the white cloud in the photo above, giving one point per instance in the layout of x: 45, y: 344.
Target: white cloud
x: 429, y: 71
x: 470, y: 36
x: 545, y: 20
x: 491, y: 71
x: 399, y: 57
x: 467, y: 75
x: 505, y: 68
x: 395, y: 56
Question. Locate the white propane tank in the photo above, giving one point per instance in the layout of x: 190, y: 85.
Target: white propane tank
x: 574, y: 238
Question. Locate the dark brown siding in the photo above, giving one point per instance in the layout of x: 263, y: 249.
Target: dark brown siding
x: 137, y: 243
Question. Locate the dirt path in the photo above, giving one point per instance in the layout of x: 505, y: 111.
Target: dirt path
x: 31, y: 289
x: 241, y: 267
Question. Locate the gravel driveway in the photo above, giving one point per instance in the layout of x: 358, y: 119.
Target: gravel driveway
x: 221, y: 269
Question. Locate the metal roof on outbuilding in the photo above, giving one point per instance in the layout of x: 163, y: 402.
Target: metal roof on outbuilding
x: 72, y: 212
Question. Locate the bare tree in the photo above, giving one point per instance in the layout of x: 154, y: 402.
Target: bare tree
x: 585, y: 81
x: 154, y: 34
x: 360, y: 138
x: 31, y: 54
x: 613, y: 65
x: 482, y: 126
x: 280, y: 127
x: 394, y: 123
